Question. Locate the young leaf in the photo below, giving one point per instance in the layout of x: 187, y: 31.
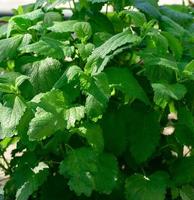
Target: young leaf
x: 83, y: 30
x: 189, y: 70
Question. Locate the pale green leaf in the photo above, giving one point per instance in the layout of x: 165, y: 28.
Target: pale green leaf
x: 63, y: 27
x: 83, y: 30
x: 43, y: 125
x: 10, y: 115
x: 52, y: 101
x: 74, y: 114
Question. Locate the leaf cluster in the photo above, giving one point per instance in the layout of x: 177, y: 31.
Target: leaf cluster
x: 99, y: 105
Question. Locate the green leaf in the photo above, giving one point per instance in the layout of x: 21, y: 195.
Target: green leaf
x: 164, y: 93
x: 83, y: 30
x: 52, y: 101
x: 3, y: 30
x: 93, y: 135
x: 44, y: 124
x: 74, y: 114
x: 98, y: 92
x: 138, y: 18
x: 108, y: 47
x: 168, y: 25
x: 115, y: 130
x: 85, y: 50
x: 43, y: 74
x: 10, y: 115
x: 157, y: 43
x: 87, y: 171
x: 189, y: 70
x: 148, y: 8
x: 181, y: 18
x: 9, y: 47
x: 63, y: 27
x: 39, y: 176
x: 187, y: 192
x: 71, y: 75
x: 182, y: 170
x: 51, y: 17
x: 122, y: 79
x: 46, y: 47
x: 184, y: 128
x: 20, y: 23
x: 174, y: 45
x: 160, y: 68
x: 100, y: 37
x: 145, y: 188
x: 143, y: 124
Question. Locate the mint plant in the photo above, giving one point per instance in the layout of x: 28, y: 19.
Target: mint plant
x: 99, y: 104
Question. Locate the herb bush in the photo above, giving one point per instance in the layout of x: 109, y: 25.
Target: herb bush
x: 100, y: 105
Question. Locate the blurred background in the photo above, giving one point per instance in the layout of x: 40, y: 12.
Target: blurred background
x: 6, y: 6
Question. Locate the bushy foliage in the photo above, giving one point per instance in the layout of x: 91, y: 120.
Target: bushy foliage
x: 99, y: 105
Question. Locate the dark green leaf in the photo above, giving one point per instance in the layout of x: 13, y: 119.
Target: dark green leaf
x: 142, y: 124
x: 123, y: 80
x: 88, y: 171
x: 145, y: 188
x: 39, y: 176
